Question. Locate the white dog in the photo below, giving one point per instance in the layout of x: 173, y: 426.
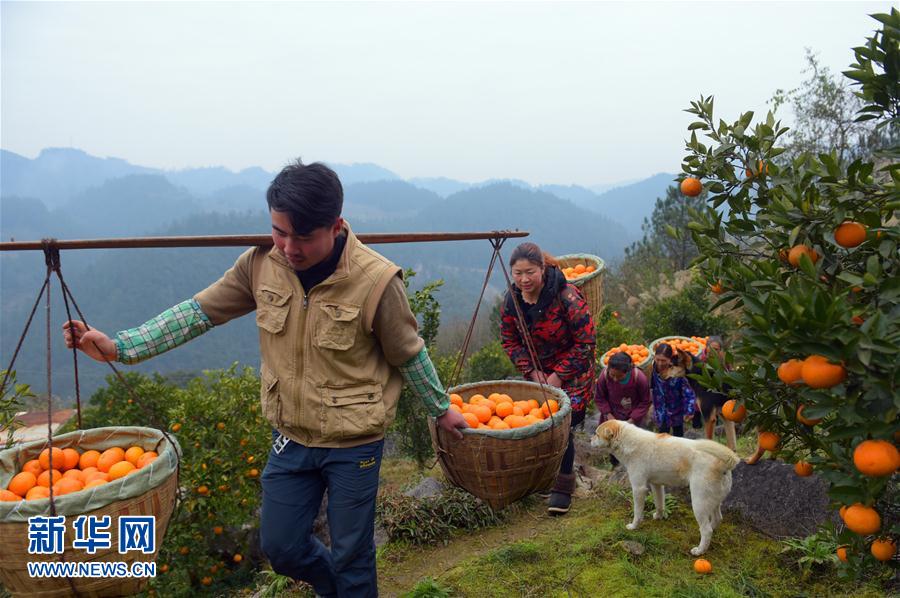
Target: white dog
x: 661, y: 460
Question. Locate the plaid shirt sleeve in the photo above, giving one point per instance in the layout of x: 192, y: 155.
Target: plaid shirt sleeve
x: 420, y: 375
x: 173, y: 327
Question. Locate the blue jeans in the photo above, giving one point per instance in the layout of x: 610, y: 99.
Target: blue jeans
x: 293, y: 483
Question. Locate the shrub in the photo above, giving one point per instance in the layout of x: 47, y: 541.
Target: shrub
x: 432, y: 520
x: 686, y: 313
x: 489, y: 363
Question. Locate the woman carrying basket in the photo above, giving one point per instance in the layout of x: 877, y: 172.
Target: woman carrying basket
x: 674, y: 401
x: 562, y: 333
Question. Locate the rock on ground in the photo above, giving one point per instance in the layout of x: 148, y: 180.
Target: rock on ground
x: 777, y: 501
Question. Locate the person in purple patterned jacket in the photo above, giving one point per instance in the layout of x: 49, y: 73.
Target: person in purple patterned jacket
x: 674, y: 401
x: 562, y: 331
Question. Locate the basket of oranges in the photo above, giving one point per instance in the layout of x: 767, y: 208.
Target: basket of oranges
x: 585, y: 271
x: 691, y: 346
x: 518, y: 432
x: 639, y: 354
x: 98, y: 472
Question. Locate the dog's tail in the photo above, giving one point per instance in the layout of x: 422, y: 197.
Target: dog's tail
x: 724, y: 454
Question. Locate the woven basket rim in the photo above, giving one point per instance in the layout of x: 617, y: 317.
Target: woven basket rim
x: 652, y: 346
x: 565, y: 407
x: 600, y: 265
x: 124, y: 488
x: 641, y: 365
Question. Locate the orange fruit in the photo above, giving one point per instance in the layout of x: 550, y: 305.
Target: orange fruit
x: 237, y: 558
x: 516, y: 421
x: 120, y: 470
x: 74, y: 474
x: 883, y: 549
x: 49, y: 477
x: 89, y: 459
x: 702, y: 566
x: 94, y: 483
x: 59, y: 458
x: 761, y: 168
x: 530, y: 419
x: 691, y: 186
x: 733, y: 412
x: 96, y: 475
x: 504, y: 409
x: 471, y: 419
x: 717, y: 288
x: 37, y: 493
x: 176, y: 427
x: 797, y: 251
x: 455, y: 399
x: 858, y: 320
x: 70, y: 460
x: 850, y: 234
x: 476, y: 399
x: 454, y: 407
x: 876, y: 458
x: 7, y: 496
x: 217, y: 530
x: 21, y: 483
x: 579, y: 269
x: 551, y: 406
x: 67, y: 486
x: 482, y: 412
x: 504, y: 398
x: 842, y: 553
x: 769, y: 440
x: 803, y: 469
x: 33, y: 466
x: 862, y: 520
x: 206, y: 581
x: 789, y: 372
x: 818, y: 372
x: 202, y: 490
x: 501, y: 425
x: 133, y: 454
x: 806, y: 421
x: 110, y: 457
x: 537, y: 413
x: 494, y: 396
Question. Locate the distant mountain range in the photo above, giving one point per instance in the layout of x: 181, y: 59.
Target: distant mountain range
x: 66, y: 193
x: 58, y: 176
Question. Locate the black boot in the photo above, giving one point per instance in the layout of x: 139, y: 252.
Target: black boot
x: 561, y: 496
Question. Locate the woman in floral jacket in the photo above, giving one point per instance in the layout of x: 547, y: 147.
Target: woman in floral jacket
x: 674, y: 401
x: 562, y: 331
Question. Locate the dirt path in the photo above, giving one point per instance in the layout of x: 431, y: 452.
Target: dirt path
x: 402, y: 572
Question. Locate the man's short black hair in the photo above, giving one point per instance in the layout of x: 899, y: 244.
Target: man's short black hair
x: 310, y: 194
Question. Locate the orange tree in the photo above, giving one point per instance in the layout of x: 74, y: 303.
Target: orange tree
x: 212, y: 540
x: 806, y: 252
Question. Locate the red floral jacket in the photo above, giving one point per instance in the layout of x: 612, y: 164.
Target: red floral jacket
x: 562, y: 332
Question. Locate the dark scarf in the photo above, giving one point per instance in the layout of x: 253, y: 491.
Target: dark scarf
x: 313, y: 276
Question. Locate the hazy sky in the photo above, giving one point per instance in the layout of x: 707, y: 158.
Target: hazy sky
x: 577, y: 92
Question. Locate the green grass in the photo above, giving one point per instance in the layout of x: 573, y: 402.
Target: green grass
x: 581, y: 555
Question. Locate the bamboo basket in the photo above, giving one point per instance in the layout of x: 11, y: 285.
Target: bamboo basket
x: 644, y: 365
x: 149, y: 491
x: 502, y: 466
x: 591, y: 285
x: 662, y: 339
